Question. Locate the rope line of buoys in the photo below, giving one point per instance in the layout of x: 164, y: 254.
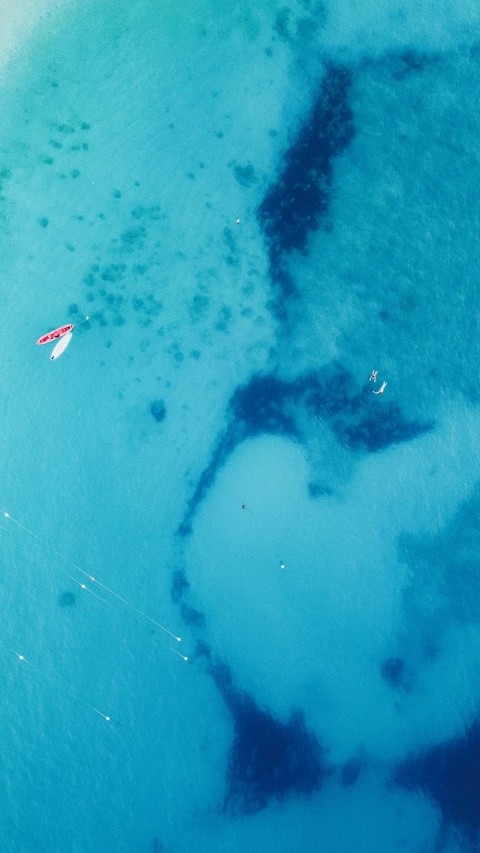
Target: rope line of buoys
x: 60, y: 685
x: 90, y: 577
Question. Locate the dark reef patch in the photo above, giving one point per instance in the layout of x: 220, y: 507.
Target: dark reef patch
x: 66, y: 599
x: 267, y: 405
x: 191, y: 616
x: 179, y: 585
x: 268, y: 759
x: 450, y: 774
x: 281, y: 26
x: 407, y: 62
x: 245, y: 175
x: 316, y: 490
x: 133, y: 237
x: 376, y: 430
x: 404, y: 63
x: 113, y: 272
x: 254, y: 409
x: 350, y: 771
x: 355, y: 417
x: 410, y: 62
x: 296, y: 203
x: 158, y: 410
x: 259, y: 406
x: 392, y: 671
x: 202, y: 650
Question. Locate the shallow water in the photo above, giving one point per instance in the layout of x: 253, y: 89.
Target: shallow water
x: 256, y: 206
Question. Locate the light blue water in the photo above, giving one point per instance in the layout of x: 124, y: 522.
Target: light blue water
x: 258, y: 205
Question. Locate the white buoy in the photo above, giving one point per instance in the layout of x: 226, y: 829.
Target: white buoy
x: 184, y: 657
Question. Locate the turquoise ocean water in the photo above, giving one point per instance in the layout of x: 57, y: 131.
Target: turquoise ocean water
x: 257, y: 204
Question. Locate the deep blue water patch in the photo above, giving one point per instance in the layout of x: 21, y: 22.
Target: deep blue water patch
x: 446, y: 561
x: 358, y: 419
x: 268, y: 760
x: 298, y: 200
x: 450, y: 775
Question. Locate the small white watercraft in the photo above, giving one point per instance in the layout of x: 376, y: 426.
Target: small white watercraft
x: 61, y: 346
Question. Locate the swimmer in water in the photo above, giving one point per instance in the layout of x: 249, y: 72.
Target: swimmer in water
x: 244, y: 506
x: 373, y: 376
x: 380, y: 390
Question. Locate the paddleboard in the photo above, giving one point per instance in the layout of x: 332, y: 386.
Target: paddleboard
x: 61, y: 346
